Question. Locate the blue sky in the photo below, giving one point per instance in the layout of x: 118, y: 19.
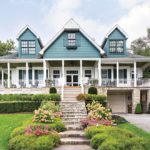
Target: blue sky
x: 96, y: 17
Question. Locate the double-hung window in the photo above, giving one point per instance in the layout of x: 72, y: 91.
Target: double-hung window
x: 116, y: 46
x: 88, y: 73
x: 28, y: 47
x: 71, y: 37
x: 56, y: 74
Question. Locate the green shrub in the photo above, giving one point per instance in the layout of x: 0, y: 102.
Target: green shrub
x: 30, y: 142
x: 46, y: 97
x: 149, y: 108
x: 30, y: 97
x: 118, y: 119
x: 92, y: 90
x: 18, y: 106
x: 113, y: 138
x: 98, y: 139
x: 50, y: 106
x: 53, y: 90
x: 17, y: 131
x: 138, y: 109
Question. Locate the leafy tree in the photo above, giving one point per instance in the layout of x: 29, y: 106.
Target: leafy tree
x: 6, y: 47
x: 141, y: 46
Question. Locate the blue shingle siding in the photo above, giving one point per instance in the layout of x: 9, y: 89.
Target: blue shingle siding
x: 115, y: 35
x: 84, y: 48
x: 28, y: 35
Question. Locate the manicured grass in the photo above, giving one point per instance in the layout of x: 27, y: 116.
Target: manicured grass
x: 137, y: 131
x: 7, y: 123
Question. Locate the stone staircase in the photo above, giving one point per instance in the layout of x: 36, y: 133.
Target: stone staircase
x: 73, y: 111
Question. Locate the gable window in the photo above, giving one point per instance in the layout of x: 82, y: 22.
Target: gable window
x: 116, y: 46
x: 28, y: 47
x: 71, y: 37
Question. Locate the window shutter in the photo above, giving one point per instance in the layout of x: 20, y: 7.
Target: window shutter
x: 109, y: 73
x: 65, y: 39
x: 78, y: 39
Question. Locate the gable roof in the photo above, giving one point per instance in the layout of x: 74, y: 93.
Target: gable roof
x: 27, y: 27
x: 114, y: 28
x: 71, y: 25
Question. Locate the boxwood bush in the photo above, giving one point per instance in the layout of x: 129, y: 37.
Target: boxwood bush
x: 30, y: 97
x: 18, y: 106
x: 138, y: 109
x: 92, y: 90
x: 53, y: 90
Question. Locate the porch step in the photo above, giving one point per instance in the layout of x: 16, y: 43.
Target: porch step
x: 74, y: 141
x: 75, y: 127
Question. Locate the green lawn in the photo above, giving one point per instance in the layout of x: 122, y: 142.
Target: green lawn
x: 138, y: 132
x: 7, y: 123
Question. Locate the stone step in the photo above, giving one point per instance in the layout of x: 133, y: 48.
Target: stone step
x: 76, y: 127
x: 72, y: 133
x: 74, y: 147
x: 70, y: 122
x: 70, y: 99
x: 74, y: 141
x: 72, y: 119
x: 74, y: 115
x: 66, y: 113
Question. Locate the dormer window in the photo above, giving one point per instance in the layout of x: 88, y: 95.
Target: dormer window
x: 116, y: 46
x: 71, y: 40
x: 28, y: 47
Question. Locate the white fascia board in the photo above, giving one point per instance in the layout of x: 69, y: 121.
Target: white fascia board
x: 119, y: 28
x: 24, y: 29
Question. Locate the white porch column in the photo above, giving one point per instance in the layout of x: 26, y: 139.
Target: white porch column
x: 63, y: 81
x: 117, y: 73
x: 27, y: 74
x: 2, y: 78
x: 8, y: 73
x: 33, y: 76
x: 135, y: 82
x: 99, y: 73
x: 44, y: 72
x: 81, y: 76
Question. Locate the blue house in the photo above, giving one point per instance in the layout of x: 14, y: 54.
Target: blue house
x: 72, y: 59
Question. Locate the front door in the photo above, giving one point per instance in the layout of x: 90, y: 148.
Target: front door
x: 72, y: 78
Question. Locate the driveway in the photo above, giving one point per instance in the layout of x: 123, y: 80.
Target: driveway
x: 141, y: 121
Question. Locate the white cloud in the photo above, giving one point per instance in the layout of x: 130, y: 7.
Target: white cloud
x: 63, y: 10
x: 136, y: 21
x: 127, y: 4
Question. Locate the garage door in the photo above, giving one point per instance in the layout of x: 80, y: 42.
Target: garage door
x: 117, y: 103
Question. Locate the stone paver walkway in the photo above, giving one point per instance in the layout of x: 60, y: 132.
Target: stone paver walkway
x: 73, y: 147
x: 141, y: 120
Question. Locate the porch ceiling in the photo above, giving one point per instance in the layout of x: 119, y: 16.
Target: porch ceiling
x: 71, y: 63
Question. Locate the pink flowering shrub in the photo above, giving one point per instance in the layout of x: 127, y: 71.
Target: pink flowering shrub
x: 37, y: 130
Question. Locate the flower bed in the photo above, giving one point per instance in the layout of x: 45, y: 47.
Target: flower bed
x: 41, y: 132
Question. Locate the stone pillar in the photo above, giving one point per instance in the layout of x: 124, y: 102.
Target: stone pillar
x: 135, y: 98
x: 117, y: 70
x: 135, y: 80
x: 81, y: 77
x: 8, y: 74
x: 99, y: 73
x: 148, y: 98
